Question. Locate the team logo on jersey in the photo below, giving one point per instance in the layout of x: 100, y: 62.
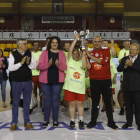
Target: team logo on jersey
x: 97, y: 66
x: 76, y: 75
x: 96, y: 54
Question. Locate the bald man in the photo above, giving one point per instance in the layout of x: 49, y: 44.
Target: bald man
x: 100, y: 81
x: 130, y: 66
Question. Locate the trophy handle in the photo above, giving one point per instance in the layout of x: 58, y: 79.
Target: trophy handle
x: 75, y: 32
x: 87, y: 33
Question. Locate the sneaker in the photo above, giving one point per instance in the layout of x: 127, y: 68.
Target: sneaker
x: 81, y: 124
x: 91, y: 124
x: 121, y: 111
x: 113, y: 126
x: 103, y: 109
x: 72, y: 124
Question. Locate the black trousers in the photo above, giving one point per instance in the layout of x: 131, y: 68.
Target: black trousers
x: 130, y: 99
x: 96, y: 87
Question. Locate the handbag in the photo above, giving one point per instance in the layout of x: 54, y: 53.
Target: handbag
x: 34, y: 101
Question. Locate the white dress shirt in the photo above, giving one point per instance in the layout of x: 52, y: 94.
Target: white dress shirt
x: 14, y: 67
x: 44, y: 48
x: 133, y: 58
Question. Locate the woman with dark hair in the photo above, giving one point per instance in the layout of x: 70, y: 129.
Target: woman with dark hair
x: 52, y: 64
x: 75, y: 82
x: 3, y: 76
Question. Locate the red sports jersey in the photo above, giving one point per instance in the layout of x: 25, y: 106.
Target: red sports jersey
x: 100, y: 71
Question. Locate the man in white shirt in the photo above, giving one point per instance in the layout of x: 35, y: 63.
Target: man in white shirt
x: 21, y: 62
x: 47, y: 41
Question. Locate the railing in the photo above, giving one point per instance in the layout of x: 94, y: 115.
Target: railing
x: 64, y: 35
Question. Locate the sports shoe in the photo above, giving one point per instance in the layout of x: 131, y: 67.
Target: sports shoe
x: 81, y: 124
x: 72, y: 124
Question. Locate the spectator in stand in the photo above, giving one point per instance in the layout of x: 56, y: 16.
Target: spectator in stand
x: 100, y: 81
x: 52, y: 64
x: 124, y: 52
x: 47, y: 41
x: 3, y: 76
x: 75, y: 82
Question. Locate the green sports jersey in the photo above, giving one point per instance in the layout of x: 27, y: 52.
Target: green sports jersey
x: 121, y: 55
x: 75, y: 77
x: 36, y: 56
x: 113, y: 72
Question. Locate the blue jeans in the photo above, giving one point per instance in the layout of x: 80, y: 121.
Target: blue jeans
x: 17, y: 89
x: 51, y: 95
x: 3, y: 86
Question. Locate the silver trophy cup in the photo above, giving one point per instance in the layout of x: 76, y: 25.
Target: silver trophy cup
x: 83, y: 36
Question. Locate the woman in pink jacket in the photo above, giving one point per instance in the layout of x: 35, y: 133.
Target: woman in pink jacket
x: 52, y: 64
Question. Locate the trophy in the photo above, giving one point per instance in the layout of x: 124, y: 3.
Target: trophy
x: 83, y: 36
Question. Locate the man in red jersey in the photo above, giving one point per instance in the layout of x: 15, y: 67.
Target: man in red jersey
x: 100, y: 81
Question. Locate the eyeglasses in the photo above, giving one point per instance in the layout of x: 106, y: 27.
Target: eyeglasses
x: 133, y: 49
x: 25, y: 44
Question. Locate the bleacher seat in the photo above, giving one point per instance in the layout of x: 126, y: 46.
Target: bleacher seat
x: 15, y: 46
x: 9, y: 46
x: 6, y: 54
x: 29, y: 46
x: 2, y: 46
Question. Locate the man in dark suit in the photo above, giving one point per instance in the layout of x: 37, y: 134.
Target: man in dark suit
x: 130, y: 65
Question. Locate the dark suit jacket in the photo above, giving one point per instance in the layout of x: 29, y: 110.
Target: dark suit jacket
x: 131, y: 75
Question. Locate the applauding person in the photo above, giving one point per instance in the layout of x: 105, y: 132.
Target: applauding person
x: 52, y: 64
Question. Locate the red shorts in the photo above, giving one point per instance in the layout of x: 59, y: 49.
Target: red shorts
x: 72, y: 96
x: 35, y: 80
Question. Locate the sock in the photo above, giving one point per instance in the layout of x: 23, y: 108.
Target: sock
x: 73, y: 120
x: 81, y: 118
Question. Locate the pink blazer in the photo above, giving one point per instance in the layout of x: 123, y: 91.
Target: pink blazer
x: 44, y: 65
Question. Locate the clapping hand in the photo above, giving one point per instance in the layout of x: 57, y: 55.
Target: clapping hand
x: 1, y: 64
x: 50, y: 62
x: 23, y: 60
x: 28, y: 60
x: 129, y: 62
